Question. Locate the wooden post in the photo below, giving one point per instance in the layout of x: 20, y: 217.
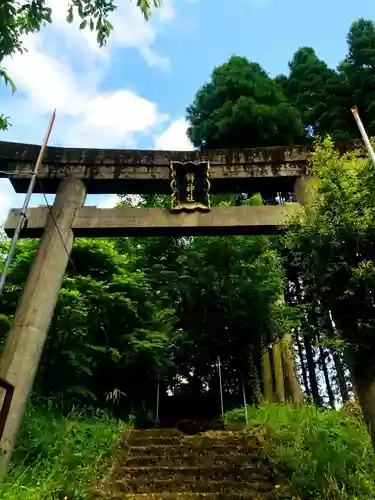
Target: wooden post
x: 279, y: 374
x: 24, y: 344
x: 266, y: 374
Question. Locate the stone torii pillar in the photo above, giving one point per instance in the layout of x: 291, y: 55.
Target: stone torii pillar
x: 24, y: 344
x: 305, y: 189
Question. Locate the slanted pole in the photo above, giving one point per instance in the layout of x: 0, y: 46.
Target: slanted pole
x: 22, y: 215
x: 221, y: 387
x: 24, y: 344
x: 244, y: 398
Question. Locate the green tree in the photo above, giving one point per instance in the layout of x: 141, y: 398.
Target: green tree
x: 358, y: 68
x: 332, y: 245
x: 109, y: 336
x: 225, y: 292
x: 241, y: 106
x: 319, y: 93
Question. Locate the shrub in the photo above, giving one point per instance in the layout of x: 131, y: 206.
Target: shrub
x: 327, y: 452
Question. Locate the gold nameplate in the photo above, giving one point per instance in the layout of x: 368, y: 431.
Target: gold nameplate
x: 190, y: 187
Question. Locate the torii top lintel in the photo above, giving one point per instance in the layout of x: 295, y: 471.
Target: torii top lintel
x: 137, y: 171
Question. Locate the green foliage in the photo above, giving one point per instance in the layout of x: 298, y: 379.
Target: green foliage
x: 332, y: 243
x: 4, y: 324
x: 194, y: 300
x: 358, y: 70
x: 225, y: 292
x: 242, y: 106
x: 324, y: 96
x: 108, y: 330
x: 328, y: 453
x: 319, y: 93
x: 60, y: 457
x: 332, y: 246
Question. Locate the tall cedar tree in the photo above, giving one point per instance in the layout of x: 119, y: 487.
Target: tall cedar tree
x: 358, y: 69
x: 332, y: 244
x: 241, y: 106
x: 319, y: 93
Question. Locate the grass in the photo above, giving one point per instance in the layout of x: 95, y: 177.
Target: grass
x: 328, y: 453
x: 59, y: 458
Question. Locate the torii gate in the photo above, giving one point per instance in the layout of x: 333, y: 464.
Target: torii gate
x: 72, y: 173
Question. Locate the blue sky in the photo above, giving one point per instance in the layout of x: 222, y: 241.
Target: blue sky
x: 134, y: 93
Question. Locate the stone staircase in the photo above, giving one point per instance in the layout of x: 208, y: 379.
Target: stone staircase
x: 167, y: 464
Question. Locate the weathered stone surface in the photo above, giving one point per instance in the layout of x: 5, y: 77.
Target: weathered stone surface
x: 215, y: 465
x: 137, y: 171
x: 305, y: 189
x: 92, y: 221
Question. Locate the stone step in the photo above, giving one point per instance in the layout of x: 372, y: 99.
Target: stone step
x: 182, y: 448
x: 189, y: 474
x: 248, y: 495
x: 139, y: 440
x: 180, y: 458
x: 193, y: 441
x: 155, y: 432
x: 165, y: 464
x: 181, y: 484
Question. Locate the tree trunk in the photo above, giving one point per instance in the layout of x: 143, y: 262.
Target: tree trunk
x: 364, y: 381
x: 362, y: 369
x: 266, y: 374
x: 279, y: 375
x: 293, y: 387
x: 303, y: 366
x: 312, y: 375
x: 331, y: 396
x: 339, y: 365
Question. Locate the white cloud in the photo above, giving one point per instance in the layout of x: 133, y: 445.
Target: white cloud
x: 85, y: 116
x: 47, y: 82
x: 110, y: 119
x: 63, y: 68
x: 174, y: 137
x: 109, y: 202
x: 5, y: 199
x: 130, y: 30
x: 50, y: 75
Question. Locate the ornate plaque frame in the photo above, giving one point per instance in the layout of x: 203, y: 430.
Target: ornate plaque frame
x: 190, y: 186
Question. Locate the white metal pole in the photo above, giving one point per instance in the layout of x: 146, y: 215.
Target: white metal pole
x: 244, y: 398
x: 365, y: 138
x: 22, y: 214
x: 221, y: 386
x: 157, y: 401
